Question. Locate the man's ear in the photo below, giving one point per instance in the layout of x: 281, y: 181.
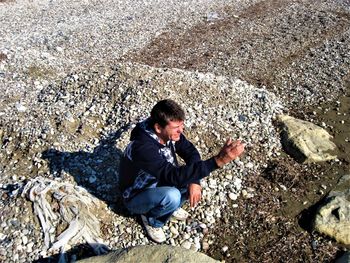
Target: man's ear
x: 157, y: 128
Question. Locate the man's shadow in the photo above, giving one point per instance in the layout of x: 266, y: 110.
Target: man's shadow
x: 97, y: 172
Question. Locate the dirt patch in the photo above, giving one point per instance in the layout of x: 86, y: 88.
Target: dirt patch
x: 266, y: 228
x: 281, y: 45
x: 35, y: 71
x: 276, y: 225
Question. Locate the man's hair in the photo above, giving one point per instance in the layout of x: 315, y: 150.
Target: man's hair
x: 165, y: 111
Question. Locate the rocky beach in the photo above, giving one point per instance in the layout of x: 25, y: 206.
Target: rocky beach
x: 75, y: 77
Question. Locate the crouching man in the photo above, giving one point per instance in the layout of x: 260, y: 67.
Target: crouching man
x: 153, y: 184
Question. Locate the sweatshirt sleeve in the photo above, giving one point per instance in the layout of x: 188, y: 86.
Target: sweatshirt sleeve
x: 186, y: 150
x: 147, y: 158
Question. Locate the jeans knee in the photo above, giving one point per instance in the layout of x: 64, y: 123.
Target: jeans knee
x: 172, y: 198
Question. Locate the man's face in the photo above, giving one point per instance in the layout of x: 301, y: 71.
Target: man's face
x: 171, y: 131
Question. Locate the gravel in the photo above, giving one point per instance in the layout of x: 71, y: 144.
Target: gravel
x: 70, y: 97
x: 82, y: 125
x: 45, y: 40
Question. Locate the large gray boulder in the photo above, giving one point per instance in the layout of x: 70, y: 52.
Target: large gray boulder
x: 305, y: 141
x: 333, y: 217
x: 156, y: 253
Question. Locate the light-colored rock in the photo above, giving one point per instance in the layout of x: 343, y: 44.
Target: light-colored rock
x: 158, y: 253
x: 174, y: 231
x: 333, y: 217
x: 305, y: 141
x: 186, y: 244
x: 233, y: 196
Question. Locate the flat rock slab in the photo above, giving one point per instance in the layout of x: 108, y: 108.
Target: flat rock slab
x: 333, y: 217
x: 305, y: 141
x: 157, y: 253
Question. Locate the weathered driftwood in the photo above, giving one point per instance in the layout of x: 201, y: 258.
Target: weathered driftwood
x: 72, y: 207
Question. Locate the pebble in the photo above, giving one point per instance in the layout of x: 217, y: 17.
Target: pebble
x: 186, y: 244
x: 233, y: 196
x: 174, y: 231
x: 202, y: 225
x: 2, y: 236
x: 24, y: 240
x: 249, y: 165
x: 30, y: 246
x: 228, y: 177
x: 186, y: 236
x: 205, y: 245
x: 224, y: 249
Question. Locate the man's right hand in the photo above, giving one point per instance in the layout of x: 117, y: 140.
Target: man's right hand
x: 230, y: 151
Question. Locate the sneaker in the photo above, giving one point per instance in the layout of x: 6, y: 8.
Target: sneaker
x: 155, y: 233
x: 180, y: 214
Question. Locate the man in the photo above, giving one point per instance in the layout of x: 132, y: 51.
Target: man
x: 152, y: 182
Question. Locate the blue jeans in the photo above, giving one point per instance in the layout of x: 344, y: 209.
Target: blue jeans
x: 157, y: 203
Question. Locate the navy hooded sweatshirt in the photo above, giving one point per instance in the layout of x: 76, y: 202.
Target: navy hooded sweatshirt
x: 143, y: 155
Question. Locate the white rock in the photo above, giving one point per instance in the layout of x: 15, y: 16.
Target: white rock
x: 228, y: 176
x: 2, y: 237
x: 249, y: 165
x: 24, y: 240
x: 20, y: 107
x: 174, y: 231
x: 232, y: 196
x: 224, y: 249
x: 186, y: 244
x: 186, y: 236
x: 202, y: 225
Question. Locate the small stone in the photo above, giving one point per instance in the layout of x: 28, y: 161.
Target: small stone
x: 233, y: 196
x: 283, y: 187
x: 2, y: 237
x: 24, y: 240
x: 186, y: 244
x: 186, y: 236
x: 20, y: 107
x: 202, y: 225
x: 174, y: 231
x: 224, y: 249
x: 228, y: 176
x: 249, y: 165
x: 205, y: 245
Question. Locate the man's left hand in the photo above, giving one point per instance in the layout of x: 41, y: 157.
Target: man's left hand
x: 195, y: 194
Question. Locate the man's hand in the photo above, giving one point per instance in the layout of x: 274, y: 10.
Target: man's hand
x: 195, y: 194
x: 230, y: 151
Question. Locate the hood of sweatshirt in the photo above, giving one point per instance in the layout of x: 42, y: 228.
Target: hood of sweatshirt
x: 143, y: 131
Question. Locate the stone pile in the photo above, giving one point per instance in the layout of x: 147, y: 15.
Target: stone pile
x: 77, y: 129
